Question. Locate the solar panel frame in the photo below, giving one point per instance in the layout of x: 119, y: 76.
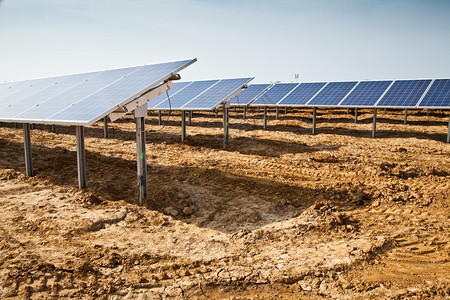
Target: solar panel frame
x: 278, y: 91
x: 444, y: 94
x: 253, y: 90
x: 161, y: 71
x: 398, y: 87
x: 322, y: 98
x: 302, y: 101
x: 223, y: 94
x: 367, y: 86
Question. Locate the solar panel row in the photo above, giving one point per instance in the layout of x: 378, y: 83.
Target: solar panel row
x: 199, y: 95
x: 425, y: 93
x: 80, y: 99
x: 249, y: 94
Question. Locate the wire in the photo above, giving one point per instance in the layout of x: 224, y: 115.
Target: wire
x: 168, y: 116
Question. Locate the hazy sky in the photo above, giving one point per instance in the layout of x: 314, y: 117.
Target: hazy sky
x: 271, y: 40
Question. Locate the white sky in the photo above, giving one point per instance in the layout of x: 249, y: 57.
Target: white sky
x: 272, y: 40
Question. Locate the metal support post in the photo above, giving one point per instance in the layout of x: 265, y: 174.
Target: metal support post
x: 277, y: 112
x: 285, y: 110
x: 81, y: 157
x: 235, y: 108
x: 16, y: 125
x: 225, y: 126
x: 53, y: 128
x: 374, y: 126
x: 406, y: 117
x: 314, y: 120
x: 190, y: 117
x: 385, y: 111
x: 33, y: 126
x: 105, y: 127
x: 245, y: 112
x: 27, y: 148
x: 265, y: 117
x: 183, y: 125
x: 448, y: 133
x: 217, y: 112
x: 356, y: 114
x: 259, y: 108
x: 141, y: 160
x: 159, y: 117
x: 428, y: 112
x: 348, y: 111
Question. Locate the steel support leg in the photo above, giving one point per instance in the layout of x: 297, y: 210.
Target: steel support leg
x: 385, y: 110
x: 27, y: 148
x: 448, y: 133
x: 348, y: 111
x: 33, y: 126
x: 217, y: 113
x: 285, y: 110
x: 245, y: 112
x: 226, y: 126
x: 374, y: 126
x: 356, y: 115
x: 141, y: 159
x: 183, y: 126
x: 259, y: 108
x: 81, y: 157
x: 277, y: 112
x: 105, y: 127
x: 314, y: 120
x: 190, y: 118
x: 265, y: 117
x: 53, y: 128
x: 16, y: 125
x: 406, y: 117
x: 159, y: 117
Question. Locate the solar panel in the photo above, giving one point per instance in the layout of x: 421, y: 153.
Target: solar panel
x: 332, y: 94
x: 188, y: 93
x: 177, y: 86
x: 404, y: 93
x: 274, y: 94
x: 217, y: 94
x: 438, y: 95
x: 366, y: 93
x: 248, y: 94
x: 302, y: 94
x: 91, y: 99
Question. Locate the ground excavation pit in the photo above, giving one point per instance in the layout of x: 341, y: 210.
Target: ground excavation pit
x: 281, y: 214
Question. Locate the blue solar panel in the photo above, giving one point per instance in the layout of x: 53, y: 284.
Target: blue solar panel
x: 275, y: 94
x: 404, y: 93
x: 248, y: 94
x: 218, y: 93
x: 438, y: 95
x: 332, y: 94
x: 302, y: 93
x: 177, y: 86
x: 85, y: 98
x: 366, y: 93
x: 178, y: 100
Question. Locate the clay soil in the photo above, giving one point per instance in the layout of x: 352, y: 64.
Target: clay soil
x: 281, y: 214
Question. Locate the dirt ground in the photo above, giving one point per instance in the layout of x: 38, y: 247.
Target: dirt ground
x: 281, y: 214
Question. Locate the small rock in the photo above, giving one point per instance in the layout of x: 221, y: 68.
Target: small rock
x: 171, y: 211
x: 188, y: 210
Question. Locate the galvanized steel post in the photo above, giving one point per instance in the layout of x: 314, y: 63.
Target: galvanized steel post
x: 81, y: 157
x: 141, y: 159
x: 374, y: 126
x: 105, y: 127
x: 183, y: 125
x: 225, y: 126
x: 27, y: 148
x: 265, y: 117
x: 314, y: 120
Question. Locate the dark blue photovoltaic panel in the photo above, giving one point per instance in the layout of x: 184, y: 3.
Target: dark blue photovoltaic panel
x: 217, y: 94
x: 187, y: 94
x: 248, y: 94
x: 177, y: 86
x: 332, y: 94
x: 275, y: 94
x: 404, y: 93
x: 302, y: 94
x: 366, y: 93
x: 81, y: 99
x: 438, y: 95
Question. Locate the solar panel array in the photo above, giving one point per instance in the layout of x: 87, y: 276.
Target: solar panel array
x: 424, y: 93
x: 80, y: 99
x: 249, y: 94
x: 199, y: 95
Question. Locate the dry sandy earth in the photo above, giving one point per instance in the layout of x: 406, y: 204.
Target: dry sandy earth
x: 281, y: 214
